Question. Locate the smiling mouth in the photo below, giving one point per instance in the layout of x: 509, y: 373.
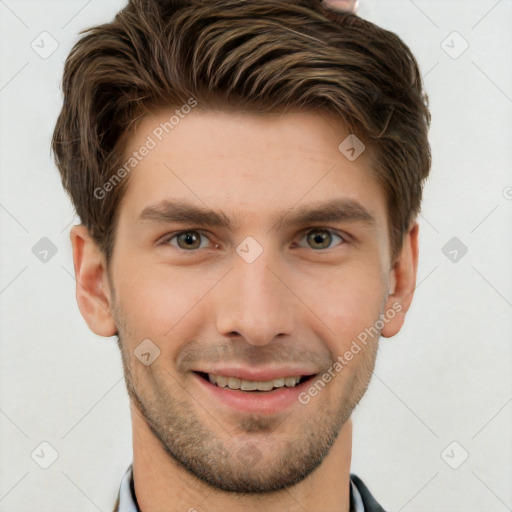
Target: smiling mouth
x: 250, y: 386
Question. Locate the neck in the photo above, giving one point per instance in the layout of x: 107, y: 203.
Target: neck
x: 163, y: 484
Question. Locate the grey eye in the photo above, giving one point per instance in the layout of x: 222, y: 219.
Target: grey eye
x: 320, y: 238
x: 187, y: 240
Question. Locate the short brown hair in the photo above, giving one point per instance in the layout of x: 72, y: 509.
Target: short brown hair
x: 257, y: 56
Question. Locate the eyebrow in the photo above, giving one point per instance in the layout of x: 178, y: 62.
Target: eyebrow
x: 335, y: 210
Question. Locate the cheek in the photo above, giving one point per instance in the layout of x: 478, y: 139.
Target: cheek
x: 157, y: 302
x: 347, y: 301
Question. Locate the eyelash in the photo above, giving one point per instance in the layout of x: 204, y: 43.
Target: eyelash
x: 166, y: 240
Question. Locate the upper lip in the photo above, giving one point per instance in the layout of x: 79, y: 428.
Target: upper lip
x: 259, y: 374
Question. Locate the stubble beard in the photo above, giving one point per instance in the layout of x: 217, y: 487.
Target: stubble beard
x: 259, y: 458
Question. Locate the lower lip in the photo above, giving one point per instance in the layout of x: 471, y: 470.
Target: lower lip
x: 262, y: 402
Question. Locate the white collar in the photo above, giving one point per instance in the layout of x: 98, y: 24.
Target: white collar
x: 126, y: 503
x: 357, y: 498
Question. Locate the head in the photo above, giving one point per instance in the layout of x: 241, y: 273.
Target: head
x: 208, y: 148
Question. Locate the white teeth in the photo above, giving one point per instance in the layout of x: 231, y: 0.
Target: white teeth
x: 266, y: 386
x: 279, y: 383
x: 290, y: 381
x: 233, y: 383
x: 222, y: 381
x: 249, y: 385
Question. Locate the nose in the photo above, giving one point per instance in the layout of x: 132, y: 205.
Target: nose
x: 254, y: 301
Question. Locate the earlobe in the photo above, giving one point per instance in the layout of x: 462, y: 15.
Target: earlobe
x: 402, y: 283
x: 92, y: 286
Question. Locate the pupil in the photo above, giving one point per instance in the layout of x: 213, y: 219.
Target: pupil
x: 189, y: 239
x: 324, y: 236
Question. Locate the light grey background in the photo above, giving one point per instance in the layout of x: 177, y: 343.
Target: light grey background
x: 445, y: 378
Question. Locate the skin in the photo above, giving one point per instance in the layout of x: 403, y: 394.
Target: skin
x: 300, y: 301
x: 343, y: 5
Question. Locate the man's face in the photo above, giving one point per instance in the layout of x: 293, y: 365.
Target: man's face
x: 255, y: 296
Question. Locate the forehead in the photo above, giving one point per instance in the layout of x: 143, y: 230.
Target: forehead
x: 254, y: 164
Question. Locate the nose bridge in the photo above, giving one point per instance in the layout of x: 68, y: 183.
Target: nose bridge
x: 254, y: 302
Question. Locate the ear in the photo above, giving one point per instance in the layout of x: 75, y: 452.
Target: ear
x: 402, y: 282
x: 92, y: 286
